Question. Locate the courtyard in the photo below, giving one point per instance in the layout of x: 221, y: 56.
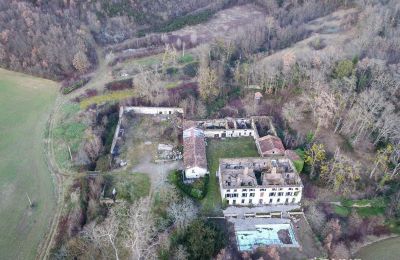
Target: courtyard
x: 224, y: 148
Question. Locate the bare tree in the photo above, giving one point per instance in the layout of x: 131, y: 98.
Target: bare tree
x: 140, y: 234
x: 105, y: 233
x: 292, y: 112
x: 182, y: 212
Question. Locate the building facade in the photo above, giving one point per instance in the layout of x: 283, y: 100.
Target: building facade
x: 259, y: 181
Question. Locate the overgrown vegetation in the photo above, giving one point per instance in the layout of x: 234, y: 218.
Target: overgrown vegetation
x: 180, y: 22
x: 196, y: 190
x: 71, y: 85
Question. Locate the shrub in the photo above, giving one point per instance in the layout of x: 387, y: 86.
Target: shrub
x: 191, y: 69
x: 203, y: 239
x: 171, y: 71
x: 119, y: 85
x: 196, y: 190
x: 317, y: 44
x: 343, y: 69
x: 180, y: 22
x: 298, y: 164
x: 71, y: 85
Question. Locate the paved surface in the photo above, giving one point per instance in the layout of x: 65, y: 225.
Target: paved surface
x: 157, y: 172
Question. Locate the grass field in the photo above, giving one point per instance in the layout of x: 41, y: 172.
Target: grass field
x: 228, y: 148
x: 25, y: 103
x: 109, y: 97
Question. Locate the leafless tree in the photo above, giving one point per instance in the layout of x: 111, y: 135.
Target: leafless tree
x: 182, y: 212
x: 140, y: 234
x: 105, y: 233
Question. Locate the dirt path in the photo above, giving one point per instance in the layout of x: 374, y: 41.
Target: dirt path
x: 59, y: 178
x: 158, y: 172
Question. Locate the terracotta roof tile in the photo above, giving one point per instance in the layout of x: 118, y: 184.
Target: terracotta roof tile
x: 194, y: 148
x: 271, y: 144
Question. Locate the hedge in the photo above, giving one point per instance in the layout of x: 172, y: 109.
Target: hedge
x: 188, y: 189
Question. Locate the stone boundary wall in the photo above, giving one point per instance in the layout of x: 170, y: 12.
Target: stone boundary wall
x: 141, y: 110
x: 121, y: 112
x: 154, y: 110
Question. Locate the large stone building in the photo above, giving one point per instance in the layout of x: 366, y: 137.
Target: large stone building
x: 259, y: 181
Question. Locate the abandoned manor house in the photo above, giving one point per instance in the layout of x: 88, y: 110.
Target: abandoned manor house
x: 252, y: 181
x: 262, y: 194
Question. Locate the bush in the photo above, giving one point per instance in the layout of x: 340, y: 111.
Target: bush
x: 119, y: 85
x: 191, y: 69
x: 203, y: 239
x: 196, y: 190
x: 171, y: 71
x: 317, y: 44
x: 343, y: 69
x: 69, y: 86
x: 187, y: 20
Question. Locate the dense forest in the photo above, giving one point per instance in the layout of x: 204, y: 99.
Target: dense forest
x: 57, y: 39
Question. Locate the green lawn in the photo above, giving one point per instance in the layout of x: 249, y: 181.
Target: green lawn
x: 130, y: 186
x: 228, y: 148
x: 365, y: 207
x: 25, y: 103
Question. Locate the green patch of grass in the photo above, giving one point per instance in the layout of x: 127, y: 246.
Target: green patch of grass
x: 109, y: 97
x: 378, y: 202
x: 171, y: 85
x: 228, y: 148
x: 70, y: 133
x: 341, y: 211
x: 394, y: 226
x: 129, y: 186
x: 366, y: 207
x: 370, y: 211
x: 299, y: 165
x: 149, y: 61
x: 187, y: 58
x: 25, y: 103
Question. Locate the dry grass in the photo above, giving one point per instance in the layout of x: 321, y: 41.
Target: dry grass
x: 109, y: 97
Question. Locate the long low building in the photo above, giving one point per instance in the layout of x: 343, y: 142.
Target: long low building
x: 194, y: 153
x: 154, y: 110
x: 259, y: 181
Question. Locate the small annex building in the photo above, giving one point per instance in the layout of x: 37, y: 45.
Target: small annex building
x: 194, y: 153
x: 270, y: 145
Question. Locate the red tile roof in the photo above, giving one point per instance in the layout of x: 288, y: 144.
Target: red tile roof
x: 194, y: 148
x: 271, y: 145
x: 292, y: 155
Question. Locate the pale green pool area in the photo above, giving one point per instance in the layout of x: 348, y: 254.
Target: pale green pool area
x: 266, y: 234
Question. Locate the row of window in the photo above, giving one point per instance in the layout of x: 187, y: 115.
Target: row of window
x: 271, y: 194
x: 261, y: 201
x: 273, y: 189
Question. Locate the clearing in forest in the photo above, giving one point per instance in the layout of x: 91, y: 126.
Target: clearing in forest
x: 25, y: 103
